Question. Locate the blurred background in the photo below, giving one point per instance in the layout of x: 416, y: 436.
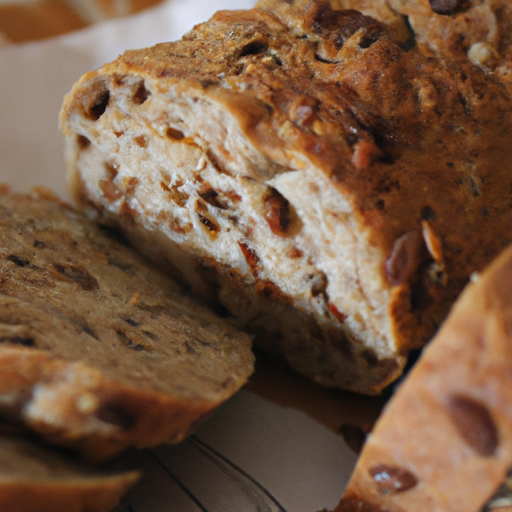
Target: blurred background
x: 32, y: 20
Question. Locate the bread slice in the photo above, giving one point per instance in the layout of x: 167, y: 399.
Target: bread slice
x: 98, y: 349
x: 35, y: 478
x: 332, y: 190
x: 444, y: 441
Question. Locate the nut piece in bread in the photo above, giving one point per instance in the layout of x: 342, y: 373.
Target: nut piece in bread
x: 444, y: 441
x: 332, y: 190
x: 99, y: 350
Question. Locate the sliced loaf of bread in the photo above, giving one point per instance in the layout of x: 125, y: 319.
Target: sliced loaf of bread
x: 99, y: 350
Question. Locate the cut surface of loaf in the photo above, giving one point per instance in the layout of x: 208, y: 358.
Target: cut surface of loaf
x: 35, y: 478
x: 98, y: 349
x: 330, y: 188
x: 444, y: 441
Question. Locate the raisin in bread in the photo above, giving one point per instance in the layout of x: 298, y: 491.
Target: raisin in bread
x: 298, y: 167
x: 444, y: 441
x: 98, y: 349
x: 35, y: 478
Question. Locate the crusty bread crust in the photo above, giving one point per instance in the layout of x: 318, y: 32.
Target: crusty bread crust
x: 444, y: 441
x: 98, y: 349
x: 330, y: 188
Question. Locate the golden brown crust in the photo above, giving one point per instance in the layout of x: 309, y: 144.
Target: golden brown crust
x: 477, y: 31
x: 391, y: 131
x: 444, y: 441
x: 35, y: 478
x: 98, y: 349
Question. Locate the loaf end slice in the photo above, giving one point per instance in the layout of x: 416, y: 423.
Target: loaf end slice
x: 35, y: 478
x: 444, y: 441
x: 332, y: 190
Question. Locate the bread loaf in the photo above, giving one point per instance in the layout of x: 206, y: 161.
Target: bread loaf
x: 34, y: 478
x: 31, y: 20
x: 98, y: 349
x: 328, y: 187
x: 444, y: 441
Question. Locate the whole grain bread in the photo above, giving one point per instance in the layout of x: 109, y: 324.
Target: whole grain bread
x: 330, y: 187
x: 35, y: 478
x: 99, y: 350
x: 444, y: 441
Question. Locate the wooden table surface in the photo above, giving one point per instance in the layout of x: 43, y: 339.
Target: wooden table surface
x: 32, y: 20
